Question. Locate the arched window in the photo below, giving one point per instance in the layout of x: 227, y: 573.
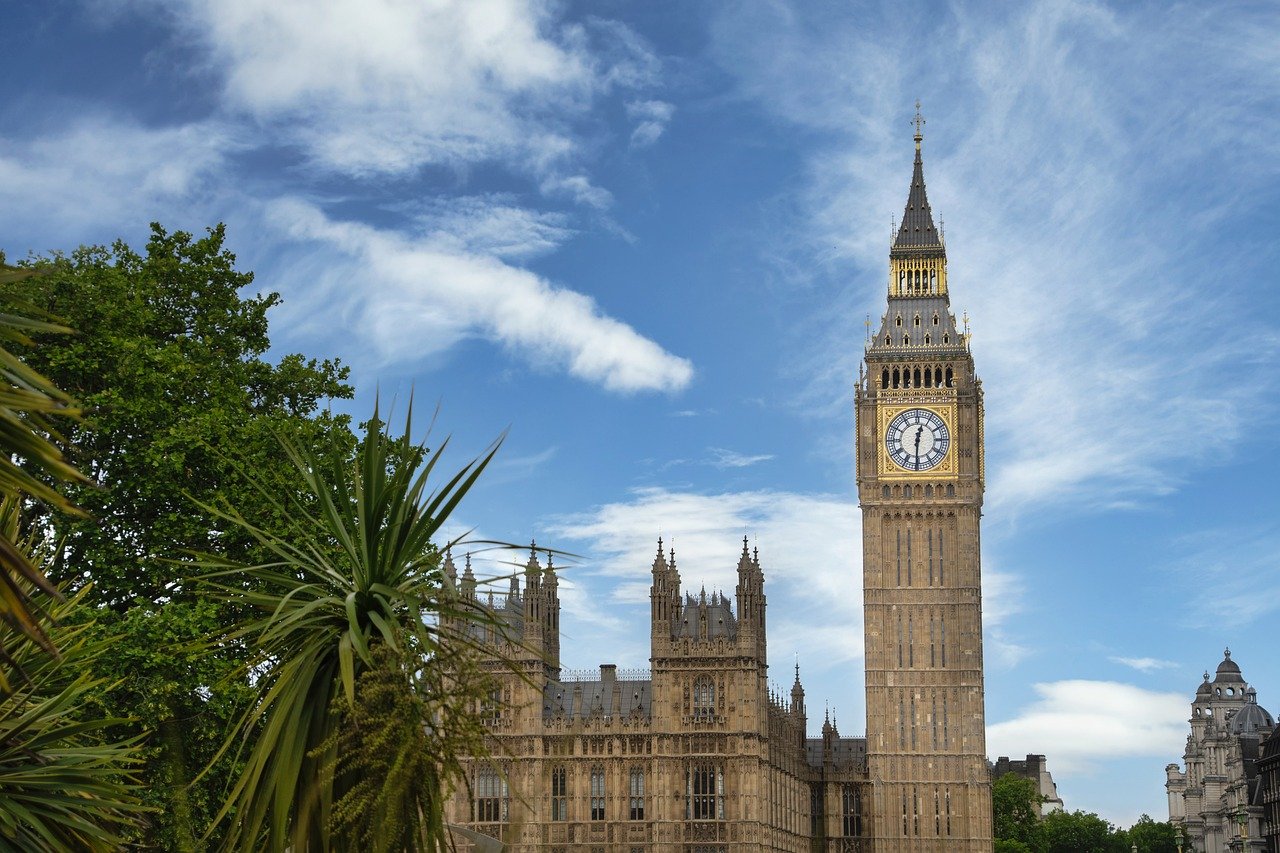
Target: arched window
x: 492, y: 798
x: 928, y: 491
x: 886, y: 491
x: 637, y: 794
x: 559, y: 794
x: 884, y: 378
x: 937, y: 376
x: 704, y: 697
x: 905, y: 340
x: 951, y: 490
x: 946, y: 339
x: 850, y: 811
x: 917, y: 320
x: 898, y: 321
x: 915, y: 380
x: 928, y: 374
x: 950, y: 378
x: 896, y: 377
x: 704, y: 792
x: 926, y: 338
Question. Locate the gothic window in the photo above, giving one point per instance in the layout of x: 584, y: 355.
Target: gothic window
x: 597, y: 793
x: 884, y: 378
x: 905, y: 340
x: 946, y: 339
x: 887, y: 341
x: 637, y: 794
x: 935, y: 319
x: 885, y: 491
x: 926, y: 338
x: 947, y: 802
x: 492, y: 710
x: 937, y: 813
x: 915, y: 380
x: 850, y: 811
x: 949, y: 377
x: 704, y: 698
x: 704, y: 792
x: 559, y: 794
x: 897, y: 321
x: 917, y: 320
x: 492, y: 798
x: 933, y: 281
x: 928, y: 491
x: 896, y: 377
x: 951, y: 493
x: 937, y: 376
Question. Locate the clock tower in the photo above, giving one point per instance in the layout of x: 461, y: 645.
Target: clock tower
x: 920, y: 482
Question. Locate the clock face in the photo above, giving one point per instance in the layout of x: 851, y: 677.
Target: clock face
x: 917, y: 439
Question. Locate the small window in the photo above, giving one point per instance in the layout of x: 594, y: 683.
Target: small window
x: 946, y: 339
x: 898, y: 322
x: 704, y: 698
x: 905, y: 340
x: 935, y: 319
x: 926, y: 338
x: 917, y: 320
x: 951, y: 490
x: 492, y: 798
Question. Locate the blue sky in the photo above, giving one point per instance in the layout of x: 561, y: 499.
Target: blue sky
x: 646, y: 237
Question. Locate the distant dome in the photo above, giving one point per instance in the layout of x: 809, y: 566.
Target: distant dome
x: 1204, y: 689
x: 1252, y: 718
x: 1228, y: 670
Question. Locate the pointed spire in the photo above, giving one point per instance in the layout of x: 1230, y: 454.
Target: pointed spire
x: 450, y: 570
x: 551, y: 571
x: 660, y: 561
x: 917, y: 231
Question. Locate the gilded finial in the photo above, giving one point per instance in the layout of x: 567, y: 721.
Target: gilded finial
x: 919, y: 123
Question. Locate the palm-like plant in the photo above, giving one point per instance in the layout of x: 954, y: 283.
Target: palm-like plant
x: 28, y: 404
x: 344, y: 620
x: 63, y: 786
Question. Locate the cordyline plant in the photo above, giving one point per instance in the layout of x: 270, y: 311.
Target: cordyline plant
x: 29, y: 403
x: 362, y: 708
x: 64, y: 785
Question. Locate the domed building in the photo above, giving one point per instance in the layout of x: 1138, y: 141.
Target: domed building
x: 1269, y: 789
x: 1216, y: 797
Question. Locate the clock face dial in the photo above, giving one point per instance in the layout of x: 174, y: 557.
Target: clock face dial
x: 917, y: 439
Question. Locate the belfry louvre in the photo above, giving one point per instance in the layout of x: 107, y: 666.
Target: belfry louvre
x: 697, y: 754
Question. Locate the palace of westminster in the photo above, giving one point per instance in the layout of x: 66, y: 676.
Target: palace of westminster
x: 698, y: 754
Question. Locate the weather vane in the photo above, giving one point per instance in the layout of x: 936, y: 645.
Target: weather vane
x: 919, y: 123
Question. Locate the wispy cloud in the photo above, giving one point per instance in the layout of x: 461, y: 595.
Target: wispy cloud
x: 1144, y: 664
x: 651, y: 119
x: 722, y: 458
x: 429, y: 297
x: 1238, y: 561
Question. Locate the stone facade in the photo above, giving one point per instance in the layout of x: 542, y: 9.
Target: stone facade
x: 1035, y: 768
x: 695, y: 754
x: 1216, y: 797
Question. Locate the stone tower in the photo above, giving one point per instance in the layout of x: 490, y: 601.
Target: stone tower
x: 920, y: 483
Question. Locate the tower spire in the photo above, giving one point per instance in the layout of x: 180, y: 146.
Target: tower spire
x: 916, y: 231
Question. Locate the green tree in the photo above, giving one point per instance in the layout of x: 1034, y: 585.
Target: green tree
x: 169, y: 364
x: 1152, y: 837
x: 1005, y: 845
x: 359, y: 605
x: 1080, y: 832
x: 1015, y: 805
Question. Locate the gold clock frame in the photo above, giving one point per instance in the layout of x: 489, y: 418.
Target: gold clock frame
x: 890, y: 470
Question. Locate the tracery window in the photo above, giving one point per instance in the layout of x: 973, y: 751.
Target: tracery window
x: 597, y: 793
x: 559, y: 794
x: 637, y: 794
x: 704, y: 792
x: 704, y: 698
x: 492, y: 797
x: 850, y: 811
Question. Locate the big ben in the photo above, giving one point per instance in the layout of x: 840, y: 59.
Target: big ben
x: 920, y: 484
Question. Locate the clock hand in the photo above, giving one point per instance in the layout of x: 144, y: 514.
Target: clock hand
x: 919, y: 432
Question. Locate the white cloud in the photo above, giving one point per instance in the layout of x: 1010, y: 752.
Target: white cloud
x: 722, y: 458
x: 1091, y: 722
x: 1238, y: 563
x: 580, y: 189
x: 1144, y: 664
x: 419, y: 297
x: 652, y: 118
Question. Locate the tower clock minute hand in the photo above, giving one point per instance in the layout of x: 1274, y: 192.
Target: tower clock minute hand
x: 919, y: 432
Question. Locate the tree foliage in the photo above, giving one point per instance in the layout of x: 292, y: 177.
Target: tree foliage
x: 1151, y: 836
x: 1016, y: 805
x: 1080, y: 832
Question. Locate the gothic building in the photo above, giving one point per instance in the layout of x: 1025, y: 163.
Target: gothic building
x: 1217, y: 798
x: 697, y: 754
